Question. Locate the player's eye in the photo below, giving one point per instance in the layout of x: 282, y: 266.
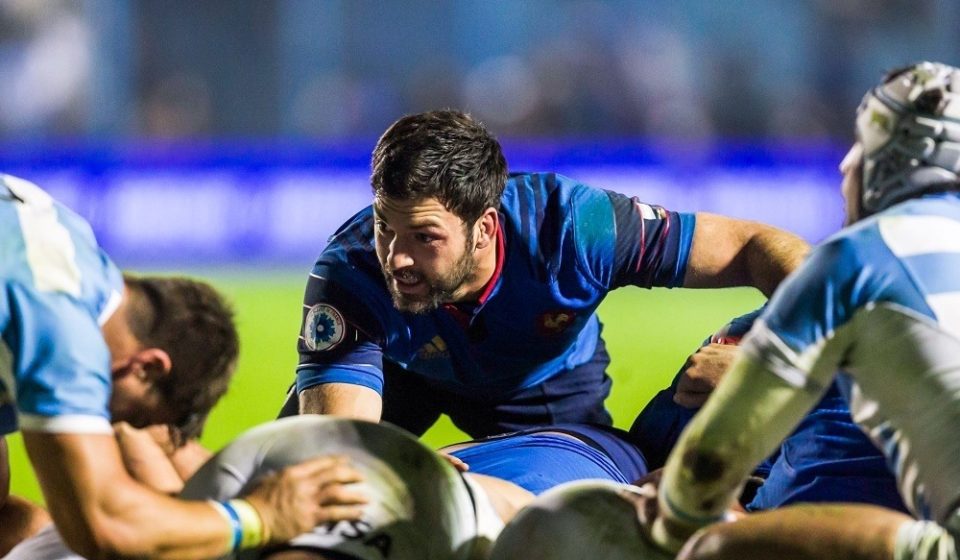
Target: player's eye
x: 424, y: 238
x: 382, y: 227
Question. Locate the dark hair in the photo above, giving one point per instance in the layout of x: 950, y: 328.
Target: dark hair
x: 442, y: 154
x: 193, y: 324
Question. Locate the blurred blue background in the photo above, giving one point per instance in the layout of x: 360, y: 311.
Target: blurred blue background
x: 231, y: 132
x: 199, y: 134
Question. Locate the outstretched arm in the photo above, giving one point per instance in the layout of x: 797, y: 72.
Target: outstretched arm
x: 103, y: 513
x: 729, y: 252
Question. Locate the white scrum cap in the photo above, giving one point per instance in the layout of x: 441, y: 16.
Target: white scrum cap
x: 909, y: 127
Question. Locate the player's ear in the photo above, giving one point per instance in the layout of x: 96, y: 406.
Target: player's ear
x: 486, y: 228
x: 155, y: 361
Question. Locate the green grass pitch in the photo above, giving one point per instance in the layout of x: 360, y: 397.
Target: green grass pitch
x: 649, y: 333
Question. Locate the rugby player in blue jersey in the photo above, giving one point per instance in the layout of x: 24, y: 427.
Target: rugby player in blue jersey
x: 81, y: 346
x: 827, y: 458
x: 467, y: 291
x: 879, y: 301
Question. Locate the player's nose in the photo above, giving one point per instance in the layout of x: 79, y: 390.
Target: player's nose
x: 398, y: 257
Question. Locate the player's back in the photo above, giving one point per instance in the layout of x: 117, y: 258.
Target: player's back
x: 903, y: 348
x: 419, y: 507
x: 46, y: 245
x: 58, y: 288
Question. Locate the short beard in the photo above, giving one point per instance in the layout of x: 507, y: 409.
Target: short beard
x: 441, y: 290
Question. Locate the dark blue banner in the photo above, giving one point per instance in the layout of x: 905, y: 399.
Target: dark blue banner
x: 224, y: 203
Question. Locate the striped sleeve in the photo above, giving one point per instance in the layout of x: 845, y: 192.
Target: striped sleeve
x: 652, y: 244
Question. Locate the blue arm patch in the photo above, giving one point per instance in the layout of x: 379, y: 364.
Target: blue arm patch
x: 340, y: 335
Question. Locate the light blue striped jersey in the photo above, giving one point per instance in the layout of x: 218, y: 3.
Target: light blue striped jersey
x: 58, y: 288
x: 881, y: 301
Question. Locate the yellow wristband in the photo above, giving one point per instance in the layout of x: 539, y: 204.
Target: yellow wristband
x: 254, y: 533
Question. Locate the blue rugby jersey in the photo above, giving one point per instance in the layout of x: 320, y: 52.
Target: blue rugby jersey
x: 566, y: 245
x: 59, y: 287
x: 827, y: 458
x: 881, y: 300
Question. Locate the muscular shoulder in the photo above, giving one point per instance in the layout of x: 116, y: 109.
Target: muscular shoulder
x: 47, y: 248
x: 542, y: 202
x: 554, y: 218
x: 346, y: 287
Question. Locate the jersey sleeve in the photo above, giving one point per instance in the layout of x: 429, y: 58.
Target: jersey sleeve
x: 61, y: 363
x: 801, y: 336
x: 340, y: 338
x: 627, y: 242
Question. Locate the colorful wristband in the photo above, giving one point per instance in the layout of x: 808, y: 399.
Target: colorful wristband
x: 254, y: 533
x: 232, y: 517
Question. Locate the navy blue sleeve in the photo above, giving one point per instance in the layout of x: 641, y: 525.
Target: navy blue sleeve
x: 651, y: 244
x: 340, y: 339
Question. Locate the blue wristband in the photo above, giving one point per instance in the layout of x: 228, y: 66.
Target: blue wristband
x: 234, y: 518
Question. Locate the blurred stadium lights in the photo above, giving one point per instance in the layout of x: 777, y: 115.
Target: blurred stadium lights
x: 240, y: 130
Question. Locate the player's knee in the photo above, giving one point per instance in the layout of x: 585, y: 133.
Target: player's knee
x: 711, y: 543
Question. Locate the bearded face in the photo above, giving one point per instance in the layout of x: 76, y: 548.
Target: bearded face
x: 426, y: 253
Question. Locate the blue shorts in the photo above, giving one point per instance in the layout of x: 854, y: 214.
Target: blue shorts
x: 541, y: 458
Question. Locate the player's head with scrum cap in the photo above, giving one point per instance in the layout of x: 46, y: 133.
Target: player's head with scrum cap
x: 908, y: 139
x: 174, y: 347
x: 437, y: 179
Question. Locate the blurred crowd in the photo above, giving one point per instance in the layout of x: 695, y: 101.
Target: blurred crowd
x: 684, y: 69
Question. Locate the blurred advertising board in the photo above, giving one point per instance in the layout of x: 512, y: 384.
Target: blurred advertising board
x: 276, y: 203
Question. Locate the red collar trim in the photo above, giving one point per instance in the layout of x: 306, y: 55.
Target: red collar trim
x: 488, y: 289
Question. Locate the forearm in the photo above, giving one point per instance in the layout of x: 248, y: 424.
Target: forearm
x: 154, y: 458
x: 342, y: 399
x: 146, y: 461
x: 188, y: 459
x: 771, y: 255
x: 728, y: 252
x: 103, y: 513
x: 142, y: 523
x: 747, y: 417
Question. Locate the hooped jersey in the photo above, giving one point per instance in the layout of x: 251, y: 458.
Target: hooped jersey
x: 881, y: 301
x: 565, y: 245
x: 58, y: 289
